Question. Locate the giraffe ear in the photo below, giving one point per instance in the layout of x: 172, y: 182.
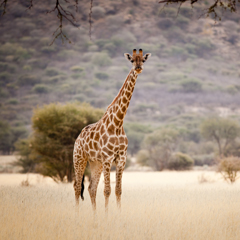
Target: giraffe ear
x: 128, y: 57
x: 146, y: 57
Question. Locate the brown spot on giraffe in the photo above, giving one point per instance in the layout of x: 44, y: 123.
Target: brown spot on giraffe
x: 105, y: 141
x: 97, y: 136
x: 111, y: 129
x: 102, y: 131
x: 120, y: 114
x: 117, y: 122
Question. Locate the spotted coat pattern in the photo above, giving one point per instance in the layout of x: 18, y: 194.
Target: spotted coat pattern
x: 105, y: 141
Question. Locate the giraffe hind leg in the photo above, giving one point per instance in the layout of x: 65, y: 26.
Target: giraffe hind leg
x: 79, y: 166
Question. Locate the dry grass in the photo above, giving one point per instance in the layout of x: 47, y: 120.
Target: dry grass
x: 165, y: 205
x: 6, y: 164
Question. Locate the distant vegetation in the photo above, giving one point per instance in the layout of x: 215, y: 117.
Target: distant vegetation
x: 193, y: 74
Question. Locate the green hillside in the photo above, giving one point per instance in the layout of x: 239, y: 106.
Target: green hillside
x: 194, y: 70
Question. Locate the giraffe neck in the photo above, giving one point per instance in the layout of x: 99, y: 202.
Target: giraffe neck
x: 118, y: 108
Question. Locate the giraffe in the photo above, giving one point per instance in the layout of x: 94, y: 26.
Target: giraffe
x: 105, y: 141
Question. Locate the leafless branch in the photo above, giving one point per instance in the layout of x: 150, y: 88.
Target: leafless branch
x: 90, y: 19
x: 62, y: 14
x: 4, y: 5
x: 31, y: 4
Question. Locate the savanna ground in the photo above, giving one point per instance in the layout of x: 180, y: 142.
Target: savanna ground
x: 155, y: 205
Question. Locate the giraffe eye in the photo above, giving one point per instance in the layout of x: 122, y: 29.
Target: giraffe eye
x: 143, y: 61
x: 132, y: 61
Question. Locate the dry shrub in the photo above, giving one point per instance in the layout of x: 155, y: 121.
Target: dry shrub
x: 204, y: 179
x: 229, y: 167
x: 25, y: 183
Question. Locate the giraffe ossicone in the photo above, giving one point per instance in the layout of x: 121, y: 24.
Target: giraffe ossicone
x: 105, y: 141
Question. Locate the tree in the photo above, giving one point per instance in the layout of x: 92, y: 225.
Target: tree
x: 55, y: 129
x: 221, y: 130
x: 161, y: 144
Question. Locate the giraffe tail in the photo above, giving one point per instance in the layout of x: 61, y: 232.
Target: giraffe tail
x: 82, y: 188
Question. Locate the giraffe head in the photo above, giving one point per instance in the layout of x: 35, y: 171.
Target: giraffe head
x: 137, y: 60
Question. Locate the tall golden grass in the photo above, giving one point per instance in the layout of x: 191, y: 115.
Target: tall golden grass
x: 164, y: 205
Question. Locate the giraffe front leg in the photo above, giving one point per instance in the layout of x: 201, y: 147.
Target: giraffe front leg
x: 107, y: 186
x: 120, y: 164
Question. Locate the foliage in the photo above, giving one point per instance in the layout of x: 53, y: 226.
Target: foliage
x: 143, y: 157
x: 135, y: 133
x: 191, y: 85
x: 134, y: 141
x: 51, y: 72
x: 77, y: 69
x: 5, y: 137
x: 40, y: 88
x: 165, y: 23
x: 101, y: 75
x: 204, y: 159
x: 180, y: 161
x: 28, y: 159
x: 9, y: 135
x: 229, y: 167
x: 221, y: 130
x: 160, y: 145
x: 101, y: 59
x: 98, y: 12
x: 55, y: 129
x: 28, y: 79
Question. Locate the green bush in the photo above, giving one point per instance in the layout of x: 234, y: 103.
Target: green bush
x: 5, y: 137
x: 7, y: 67
x: 186, y: 12
x: 232, y: 90
x: 77, y: 69
x: 168, y: 12
x: 101, y: 59
x: 203, y: 46
x: 180, y: 161
x: 205, y: 159
x: 98, y: 12
x: 191, y: 85
x: 143, y: 157
x: 40, y: 88
x: 111, y: 48
x: 165, y: 23
x: 13, y: 101
x: 27, y: 68
x: 77, y: 75
x: 28, y: 80
x: 5, y: 78
x: 38, y: 63
x: 53, y: 79
x: 48, y: 49
x: 182, y: 21
x: 102, y: 75
x: 51, y: 72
